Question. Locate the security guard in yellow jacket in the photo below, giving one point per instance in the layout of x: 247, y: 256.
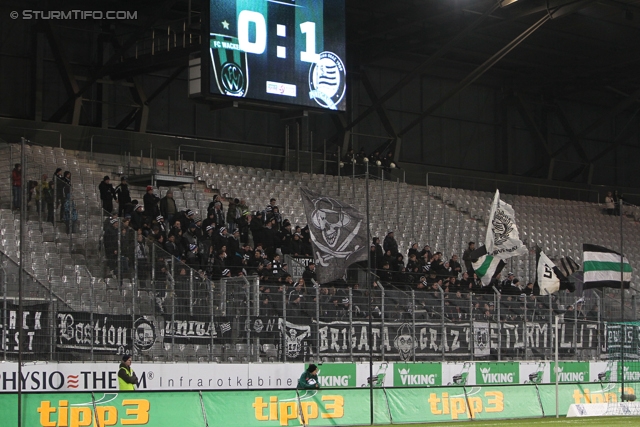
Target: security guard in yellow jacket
x: 127, y: 379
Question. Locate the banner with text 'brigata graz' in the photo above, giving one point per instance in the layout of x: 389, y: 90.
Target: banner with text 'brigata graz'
x: 401, y: 341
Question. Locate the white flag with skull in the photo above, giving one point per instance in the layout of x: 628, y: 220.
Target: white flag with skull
x: 338, y: 234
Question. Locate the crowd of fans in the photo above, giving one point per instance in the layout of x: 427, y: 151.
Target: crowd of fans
x: 219, y: 246
x: 233, y: 241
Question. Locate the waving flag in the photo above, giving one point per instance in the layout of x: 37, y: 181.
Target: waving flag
x: 602, y: 268
x: 338, y: 234
x: 486, y: 266
x: 550, y: 278
x: 502, y: 239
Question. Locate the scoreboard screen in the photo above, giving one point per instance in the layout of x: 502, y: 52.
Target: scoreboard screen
x: 282, y: 51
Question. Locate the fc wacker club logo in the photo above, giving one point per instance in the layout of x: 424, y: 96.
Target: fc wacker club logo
x: 230, y: 66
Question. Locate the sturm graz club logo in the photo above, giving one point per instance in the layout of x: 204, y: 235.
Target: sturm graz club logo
x: 481, y: 338
x: 502, y: 226
x: 327, y: 81
x: 145, y: 334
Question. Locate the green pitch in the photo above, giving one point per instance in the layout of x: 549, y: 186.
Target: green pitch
x: 542, y: 422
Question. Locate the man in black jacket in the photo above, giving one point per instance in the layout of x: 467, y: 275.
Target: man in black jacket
x: 390, y: 244
x: 151, y: 203
x: 269, y: 238
x: 255, y: 225
x: 243, y: 225
x: 466, y: 257
x: 107, y: 195
x: 122, y: 195
x: 309, y: 273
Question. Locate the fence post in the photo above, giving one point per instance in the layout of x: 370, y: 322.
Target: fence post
x: 413, y: 324
x: 575, y: 329
x: 119, y: 265
x: 247, y: 323
x: 443, y: 335
x: 497, y: 298
x: 339, y: 165
x: 211, y: 319
x: 526, y: 357
x: 350, y: 323
x: 398, y: 205
x: 283, y: 331
x: 191, y: 291
x: 91, y: 308
x: 428, y: 210
x: 384, y: 220
x: 316, y: 286
x: 173, y: 313
x: 153, y: 275
x: 413, y: 218
x: 4, y: 310
x: 381, y: 326
x: 599, y: 318
x: 551, y: 320
x: 471, y: 325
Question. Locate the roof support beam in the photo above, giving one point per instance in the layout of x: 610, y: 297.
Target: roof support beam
x: 475, y: 74
x: 428, y: 62
x: 535, y: 131
x: 64, y: 67
x: 611, y: 113
x: 106, y: 67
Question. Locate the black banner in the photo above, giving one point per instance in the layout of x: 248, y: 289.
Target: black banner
x: 298, y: 266
x: 626, y: 335
x: 535, y: 336
x: 34, y: 325
x: 398, y: 339
x: 458, y: 339
x: 196, y: 329
x: 120, y: 334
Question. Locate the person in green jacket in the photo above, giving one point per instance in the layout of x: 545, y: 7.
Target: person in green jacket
x: 127, y: 379
x: 309, y: 378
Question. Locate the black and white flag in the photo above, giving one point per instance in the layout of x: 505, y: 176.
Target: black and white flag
x: 550, y: 278
x: 502, y: 239
x: 338, y: 233
x: 567, y: 266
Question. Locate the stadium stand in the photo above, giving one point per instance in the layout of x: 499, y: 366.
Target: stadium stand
x: 77, y: 271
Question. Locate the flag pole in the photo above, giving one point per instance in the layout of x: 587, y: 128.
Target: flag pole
x: 23, y: 227
x: 370, y: 286
x: 622, y: 326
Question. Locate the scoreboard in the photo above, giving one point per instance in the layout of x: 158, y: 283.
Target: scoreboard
x: 282, y: 51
